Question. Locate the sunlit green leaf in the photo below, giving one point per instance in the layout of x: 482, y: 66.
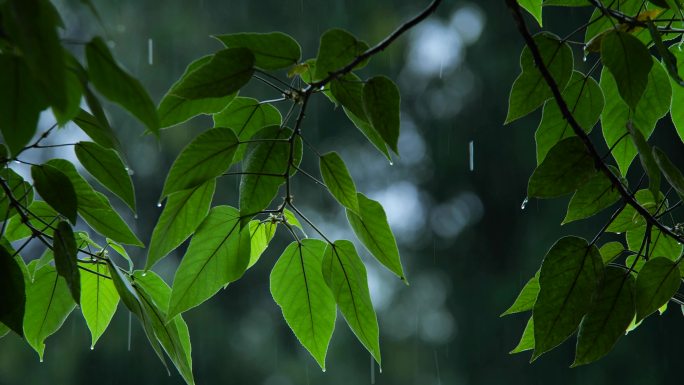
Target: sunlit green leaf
x: 534, y: 7
x: 629, y: 61
x: 569, y: 276
x: 607, y: 320
x: 370, y: 133
x: 381, y: 101
x: 43, y: 216
x: 298, y: 287
x: 338, y: 180
x: 218, y: 254
x: 659, y: 245
x: 206, y: 157
x: 593, y: 196
x: 648, y: 162
x: 271, y: 51
x: 629, y: 218
x: 526, y: 299
x: 345, y: 275
x: 100, y: 133
x: 372, y: 229
x: 260, y: 235
x: 672, y: 174
x: 183, y: 212
x: 610, y: 251
x: 107, y: 167
x: 118, y: 86
x: 99, y: 300
x: 658, y: 280
x: 527, y: 339
x: 566, y: 167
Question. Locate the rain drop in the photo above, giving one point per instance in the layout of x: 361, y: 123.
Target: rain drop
x: 524, y: 203
x: 391, y: 163
x: 41, y: 359
x: 584, y: 58
x: 159, y: 204
x: 135, y: 216
x: 92, y: 348
x: 130, y: 171
x: 323, y: 370
x: 144, y: 274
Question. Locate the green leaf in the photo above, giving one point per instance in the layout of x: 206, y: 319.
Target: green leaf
x: 66, y: 257
x: 610, y: 315
x: 653, y: 105
x: 271, y: 51
x: 48, y: 303
x: 74, y: 92
x: 16, y: 229
x: 32, y: 26
x: 56, y: 189
x: 610, y: 251
x: 669, y: 59
x: 292, y: 219
x: 348, y: 90
x: 567, y: 167
x: 530, y: 90
x: 629, y: 61
x: 534, y: 7
x: 218, y: 254
x: 298, y: 287
x: 246, y: 116
x: 370, y: 133
x: 672, y: 174
x: 12, y: 287
x: 381, y: 101
x: 648, y: 162
x: 184, y: 211
x: 100, y: 133
x: 226, y: 72
x: 526, y: 299
x: 99, y: 300
x: 677, y: 114
x: 265, y: 166
x: 337, y: 49
x: 173, y: 335
x: 107, y: 167
x: 372, y: 229
x: 569, y: 276
x: 206, y: 157
x: 118, y: 86
x: 21, y: 190
x: 584, y: 98
x: 22, y: 100
x: 660, y: 245
x: 338, y: 180
x: 657, y: 282
x: 121, y: 251
x: 629, y: 218
x: 260, y: 235
x: 527, y: 339
x: 175, y: 109
x: 345, y: 275
x: 95, y: 208
x: 595, y: 195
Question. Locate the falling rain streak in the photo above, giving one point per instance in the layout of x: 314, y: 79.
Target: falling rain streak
x: 130, y: 320
x: 150, y: 51
x: 372, y: 368
x: 524, y: 203
x: 471, y: 155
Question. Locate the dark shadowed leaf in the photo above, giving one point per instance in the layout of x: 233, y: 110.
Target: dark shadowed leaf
x: 658, y: 280
x: 271, y: 51
x: 337, y: 49
x: 381, y: 101
x: 56, y: 189
x: 12, y: 287
x: 595, y: 195
x: 629, y: 61
x: 66, y: 252
x: 566, y: 167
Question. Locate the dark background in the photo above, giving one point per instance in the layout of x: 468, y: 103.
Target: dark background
x: 466, y: 245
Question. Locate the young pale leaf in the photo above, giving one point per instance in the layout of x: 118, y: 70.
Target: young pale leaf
x: 566, y: 167
x: 22, y: 100
x: 337, y: 49
x: 95, y: 208
x: 218, y: 254
x: 260, y: 235
x: 629, y: 61
x: 348, y: 90
x: 584, y: 99
x: 184, y: 211
x: 292, y: 219
x: 118, y: 86
x: 226, y: 72
x: 345, y: 275
x: 246, y: 116
x: 99, y: 300
x: 607, y: 320
x: 653, y: 105
x: 133, y: 302
x: 271, y: 51
x: 99, y: 132
x: 206, y: 157
x: 298, y: 287
x: 610, y: 251
x: 370, y: 133
x: 658, y: 280
x: 648, y: 162
x: 526, y: 298
x: 173, y: 333
x: 381, y: 102
x: 48, y: 303
x: 372, y: 229
x: 66, y: 258
x: 174, y: 109
x: 12, y: 287
x: 534, y: 7
x: 339, y: 181
x: 569, y: 276
x: 595, y: 195
x: 527, y: 339
x: 672, y: 174
x: 105, y: 165
x: 265, y: 166
x: 56, y: 189
x: 529, y: 89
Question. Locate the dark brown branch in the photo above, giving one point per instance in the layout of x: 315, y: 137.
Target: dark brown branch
x: 569, y: 117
